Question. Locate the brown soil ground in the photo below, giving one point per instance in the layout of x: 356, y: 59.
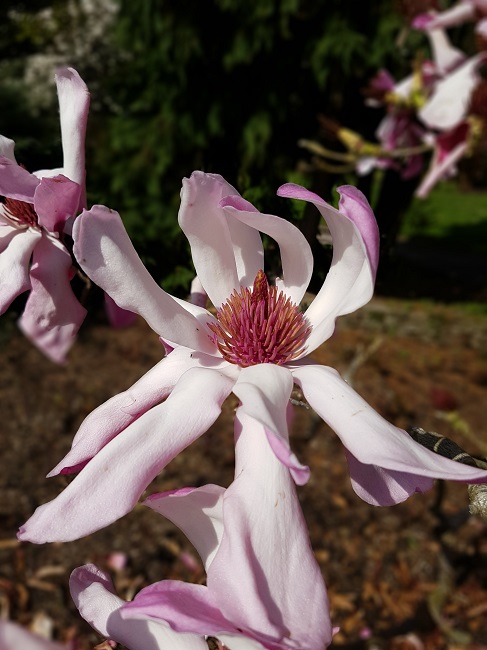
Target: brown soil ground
x: 408, y: 577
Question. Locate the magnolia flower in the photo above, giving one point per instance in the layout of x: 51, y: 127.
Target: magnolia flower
x: 14, y: 637
x: 37, y: 210
x: 127, y: 441
x: 264, y: 587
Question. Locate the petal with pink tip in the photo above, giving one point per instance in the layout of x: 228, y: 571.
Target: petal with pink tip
x: 456, y: 15
x: 264, y: 391
x: 93, y: 594
x: 104, y: 251
x: 55, y: 200
x: 14, y: 263
x: 116, y: 414
x: 52, y: 314
x: 350, y: 280
x: 112, y: 482
x: 204, y: 223
x: 198, y: 512
x: 373, y: 441
x: 296, y: 256
x: 74, y: 104
x: 16, y: 182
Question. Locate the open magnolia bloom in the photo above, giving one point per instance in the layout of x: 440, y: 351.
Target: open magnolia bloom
x: 128, y: 440
x: 264, y: 588
x: 37, y: 209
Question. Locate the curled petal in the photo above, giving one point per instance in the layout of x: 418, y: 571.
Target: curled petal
x: 350, y: 280
x: 381, y: 487
x: 93, y: 594
x: 210, y: 234
x: 112, y: 482
x: 264, y: 391
x: 296, y: 256
x: 373, y: 441
x: 52, y: 314
x: 105, y: 252
x: 16, y: 182
x: 15, y: 257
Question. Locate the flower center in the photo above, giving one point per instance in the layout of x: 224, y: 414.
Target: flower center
x: 20, y: 212
x: 260, y: 325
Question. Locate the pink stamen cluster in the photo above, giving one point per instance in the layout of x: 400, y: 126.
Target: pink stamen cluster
x: 21, y: 213
x: 260, y: 325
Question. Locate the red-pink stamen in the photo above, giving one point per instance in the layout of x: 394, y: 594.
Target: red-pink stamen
x: 260, y: 325
x: 20, y: 212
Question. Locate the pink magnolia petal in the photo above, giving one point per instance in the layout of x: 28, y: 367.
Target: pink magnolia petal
x: 264, y: 391
x: 441, y: 168
x: 14, y: 637
x: 55, y: 200
x: 7, y: 147
x: 198, y: 512
x: 112, y: 482
x: 448, y: 105
x: 198, y: 295
x: 116, y: 414
x: 14, y: 263
x: 381, y: 487
x: 93, y: 594
x: 104, y: 251
x: 52, y: 314
x: 296, y: 256
x: 204, y: 223
x: 16, y: 182
x: 265, y: 577
x: 446, y: 57
x: 74, y: 103
x: 374, y: 441
x: 350, y: 280
x: 186, y: 607
x: 458, y: 14
x: 117, y: 317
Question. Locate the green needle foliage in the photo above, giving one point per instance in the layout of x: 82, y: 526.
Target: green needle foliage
x: 227, y: 86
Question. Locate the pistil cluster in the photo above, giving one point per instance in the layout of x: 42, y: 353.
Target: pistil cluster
x: 260, y: 325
